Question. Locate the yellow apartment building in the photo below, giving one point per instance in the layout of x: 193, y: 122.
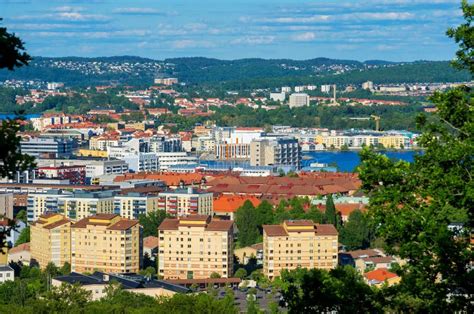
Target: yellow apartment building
x: 106, y: 242
x: 392, y: 141
x: 183, y: 202
x: 194, y: 247
x: 132, y: 205
x: 51, y: 240
x: 82, y: 205
x: 298, y: 243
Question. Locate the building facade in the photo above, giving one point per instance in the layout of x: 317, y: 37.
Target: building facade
x: 194, y: 247
x: 51, y: 240
x: 298, y: 243
x: 274, y: 152
x: 53, y: 147
x: 106, y: 242
x: 299, y: 100
x: 132, y: 205
x: 182, y: 202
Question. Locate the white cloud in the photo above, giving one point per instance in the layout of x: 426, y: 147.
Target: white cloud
x: 138, y: 11
x: 307, y: 36
x: 254, y: 40
x: 190, y: 43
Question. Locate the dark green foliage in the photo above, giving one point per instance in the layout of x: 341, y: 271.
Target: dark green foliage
x: 240, y: 273
x: 24, y: 236
x: 414, y: 204
x: 319, y: 291
x: 330, y: 216
x: 464, y: 36
x: 22, y: 216
x: 247, y: 225
x: 151, y: 222
x: 12, y: 51
x: 356, y: 231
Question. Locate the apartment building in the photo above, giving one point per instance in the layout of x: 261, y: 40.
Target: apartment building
x: 54, y: 147
x: 106, y: 242
x: 194, y: 247
x: 132, y: 205
x: 51, y: 240
x: 42, y: 203
x: 232, y: 151
x: 75, y: 174
x: 298, y: 243
x: 85, y: 204
x: 393, y: 141
x: 299, y: 100
x: 275, y: 151
x: 182, y: 202
x: 168, y: 159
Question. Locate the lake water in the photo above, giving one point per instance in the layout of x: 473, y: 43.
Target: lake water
x: 348, y: 161
x: 11, y: 116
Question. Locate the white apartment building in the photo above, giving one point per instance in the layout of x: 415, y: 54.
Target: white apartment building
x: 165, y: 160
x: 183, y: 202
x: 299, y: 100
x: 132, y: 205
x: 278, y: 96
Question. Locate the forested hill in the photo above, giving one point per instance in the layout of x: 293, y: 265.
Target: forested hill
x: 242, y: 73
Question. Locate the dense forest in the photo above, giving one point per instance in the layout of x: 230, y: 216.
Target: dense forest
x: 231, y: 74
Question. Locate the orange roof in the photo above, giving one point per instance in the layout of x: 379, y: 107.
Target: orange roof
x: 380, y: 274
x: 170, y: 179
x: 230, y: 203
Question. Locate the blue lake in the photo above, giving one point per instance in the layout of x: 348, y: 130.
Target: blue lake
x: 11, y: 116
x: 348, y: 161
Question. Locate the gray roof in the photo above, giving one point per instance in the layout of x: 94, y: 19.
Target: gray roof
x: 4, y: 268
x: 127, y: 281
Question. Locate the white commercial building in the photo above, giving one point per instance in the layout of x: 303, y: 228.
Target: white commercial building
x: 278, y: 96
x: 299, y: 100
x: 165, y: 160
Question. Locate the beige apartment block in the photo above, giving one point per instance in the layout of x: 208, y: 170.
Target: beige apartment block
x: 182, y: 202
x: 298, y: 243
x: 51, y: 240
x: 194, y: 247
x: 82, y: 205
x: 132, y: 205
x: 392, y: 141
x: 106, y: 242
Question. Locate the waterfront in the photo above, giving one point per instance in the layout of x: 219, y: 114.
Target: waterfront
x: 348, y: 161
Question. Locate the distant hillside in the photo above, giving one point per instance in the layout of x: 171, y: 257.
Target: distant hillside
x: 238, y: 74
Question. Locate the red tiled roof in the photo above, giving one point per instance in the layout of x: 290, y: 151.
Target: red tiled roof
x: 230, y: 203
x: 326, y: 229
x: 20, y: 248
x: 123, y: 224
x: 274, y: 230
x: 150, y: 242
x: 380, y: 274
x: 220, y: 225
x: 57, y: 224
x: 169, y: 224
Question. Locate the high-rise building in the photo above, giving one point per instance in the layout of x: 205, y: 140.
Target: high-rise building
x: 299, y: 100
x: 298, y: 243
x: 182, y: 202
x: 275, y: 151
x: 42, y: 203
x: 194, y: 247
x: 51, y: 240
x: 106, y: 242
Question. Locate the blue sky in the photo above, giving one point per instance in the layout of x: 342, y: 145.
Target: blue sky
x: 398, y: 30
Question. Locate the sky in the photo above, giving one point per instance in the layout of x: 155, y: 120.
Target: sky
x: 395, y: 30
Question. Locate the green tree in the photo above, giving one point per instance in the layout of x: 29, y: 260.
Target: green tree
x: 263, y: 214
x: 12, y: 50
x: 150, y: 271
x: 65, y: 269
x: 330, y: 215
x: 247, y: 225
x: 24, y: 236
x: 356, y: 232
x: 318, y: 291
x: 413, y: 205
x: 215, y: 275
x: 151, y: 222
x: 240, y: 273
x: 22, y: 216
x: 66, y: 298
